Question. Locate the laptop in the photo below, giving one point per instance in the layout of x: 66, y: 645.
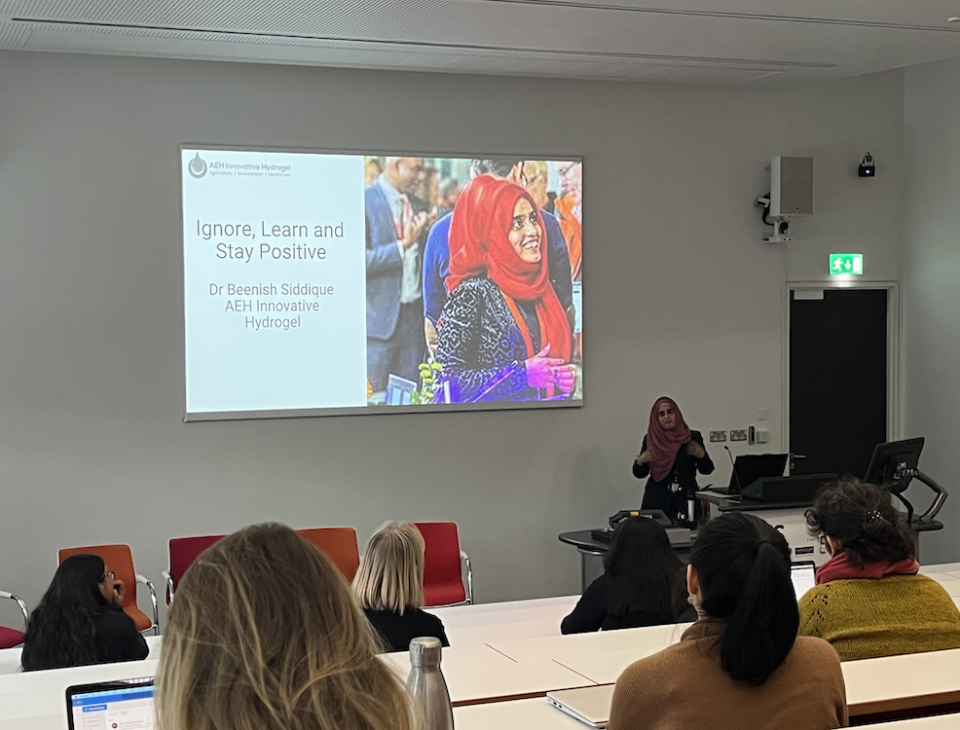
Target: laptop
x: 125, y: 704
x: 589, y: 705
x: 750, y: 467
x: 803, y: 573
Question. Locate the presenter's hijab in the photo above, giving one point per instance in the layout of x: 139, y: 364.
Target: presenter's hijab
x: 480, y: 246
x: 665, y: 442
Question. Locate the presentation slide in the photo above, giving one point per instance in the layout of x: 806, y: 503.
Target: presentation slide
x: 320, y: 283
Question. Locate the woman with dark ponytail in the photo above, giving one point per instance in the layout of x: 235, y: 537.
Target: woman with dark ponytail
x: 741, y: 664
x: 869, y: 600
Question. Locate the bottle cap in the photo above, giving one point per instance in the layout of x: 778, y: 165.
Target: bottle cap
x: 425, y: 651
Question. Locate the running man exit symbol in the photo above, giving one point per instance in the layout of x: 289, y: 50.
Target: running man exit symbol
x: 846, y: 263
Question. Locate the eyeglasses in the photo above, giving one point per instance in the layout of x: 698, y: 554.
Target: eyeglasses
x: 107, y: 574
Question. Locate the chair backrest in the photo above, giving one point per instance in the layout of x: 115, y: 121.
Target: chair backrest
x: 120, y: 560
x: 184, y: 550
x: 10, y: 638
x: 339, y: 544
x: 442, y: 573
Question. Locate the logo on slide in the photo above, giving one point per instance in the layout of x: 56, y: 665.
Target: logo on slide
x: 197, y: 167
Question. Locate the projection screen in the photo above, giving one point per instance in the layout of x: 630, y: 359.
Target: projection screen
x: 324, y: 283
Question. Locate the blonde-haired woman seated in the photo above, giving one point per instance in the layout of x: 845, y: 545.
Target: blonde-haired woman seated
x: 389, y: 586
x: 265, y: 635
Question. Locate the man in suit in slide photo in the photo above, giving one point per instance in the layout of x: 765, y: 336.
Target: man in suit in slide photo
x: 396, y: 223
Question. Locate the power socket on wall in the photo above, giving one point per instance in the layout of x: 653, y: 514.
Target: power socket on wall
x: 738, y: 434
x: 717, y: 436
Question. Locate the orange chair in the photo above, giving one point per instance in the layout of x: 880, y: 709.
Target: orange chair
x: 12, y: 637
x: 442, y: 571
x: 183, y: 551
x: 119, y: 559
x: 339, y: 544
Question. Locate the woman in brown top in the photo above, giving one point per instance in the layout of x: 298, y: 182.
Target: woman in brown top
x: 741, y: 664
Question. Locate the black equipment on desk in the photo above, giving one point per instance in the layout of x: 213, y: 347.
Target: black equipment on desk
x: 748, y: 468
x: 894, y: 465
x: 786, y: 489
x: 606, y: 535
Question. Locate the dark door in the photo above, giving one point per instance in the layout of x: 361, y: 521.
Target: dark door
x: 838, y: 380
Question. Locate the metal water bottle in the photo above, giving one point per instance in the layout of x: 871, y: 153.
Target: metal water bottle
x: 427, y: 685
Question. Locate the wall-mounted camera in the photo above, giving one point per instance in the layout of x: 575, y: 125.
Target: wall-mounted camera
x: 867, y: 168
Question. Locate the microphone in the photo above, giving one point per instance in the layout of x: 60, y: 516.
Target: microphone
x: 734, y: 465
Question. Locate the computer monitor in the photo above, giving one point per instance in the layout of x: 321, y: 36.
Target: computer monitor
x: 750, y: 467
x: 894, y: 464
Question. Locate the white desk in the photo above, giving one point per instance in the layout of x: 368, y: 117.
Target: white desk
x: 599, y: 656
x: 886, y: 684
x: 477, y: 673
x: 902, y: 682
x: 533, y: 714
x: 37, y: 700
x: 941, y: 722
x: 536, y: 714
x: 488, y: 622
x: 10, y: 658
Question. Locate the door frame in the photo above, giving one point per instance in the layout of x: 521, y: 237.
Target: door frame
x: 894, y: 354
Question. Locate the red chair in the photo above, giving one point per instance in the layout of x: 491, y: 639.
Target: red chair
x: 119, y: 559
x: 442, y: 570
x: 183, y: 551
x: 339, y: 544
x: 12, y: 637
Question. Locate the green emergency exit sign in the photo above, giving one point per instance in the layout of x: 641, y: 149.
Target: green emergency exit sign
x: 846, y: 263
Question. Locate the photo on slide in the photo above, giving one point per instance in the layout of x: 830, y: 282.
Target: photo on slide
x: 467, y: 294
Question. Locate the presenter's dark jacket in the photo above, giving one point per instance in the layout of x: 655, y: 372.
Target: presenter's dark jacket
x: 657, y: 495
x: 590, y: 613
x: 397, y: 631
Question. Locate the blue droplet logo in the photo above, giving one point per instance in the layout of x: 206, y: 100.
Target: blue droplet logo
x: 197, y: 167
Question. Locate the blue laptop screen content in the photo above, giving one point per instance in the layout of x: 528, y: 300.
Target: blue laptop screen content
x: 129, y: 708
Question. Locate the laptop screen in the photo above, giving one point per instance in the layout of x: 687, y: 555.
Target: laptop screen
x: 750, y: 467
x: 122, y: 705
x: 804, y: 577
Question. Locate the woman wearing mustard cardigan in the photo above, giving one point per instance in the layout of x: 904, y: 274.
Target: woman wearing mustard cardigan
x: 869, y: 600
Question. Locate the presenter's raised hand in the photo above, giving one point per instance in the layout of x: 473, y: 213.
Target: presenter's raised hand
x: 695, y: 450
x: 540, y: 369
x: 645, y: 457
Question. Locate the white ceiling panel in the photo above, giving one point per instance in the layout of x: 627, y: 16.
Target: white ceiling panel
x: 679, y: 41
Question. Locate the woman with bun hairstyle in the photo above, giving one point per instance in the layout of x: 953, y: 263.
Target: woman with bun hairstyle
x: 265, y: 635
x: 642, y: 583
x: 869, y: 600
x: 741, y: 664
x: 671, y: 455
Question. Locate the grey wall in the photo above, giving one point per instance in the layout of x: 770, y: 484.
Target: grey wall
x: 681, y: 297
x: 932, y: 297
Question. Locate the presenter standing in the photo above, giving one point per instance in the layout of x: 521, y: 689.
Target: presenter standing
x: 671, y: 456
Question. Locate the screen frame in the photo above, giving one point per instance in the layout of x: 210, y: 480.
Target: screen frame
x: 908, y: 450
x: 368, y: 410
x: 105, y: 686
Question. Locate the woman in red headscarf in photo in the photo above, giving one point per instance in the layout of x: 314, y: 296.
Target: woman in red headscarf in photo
x: 671, y: 455
x: 503, y: 334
